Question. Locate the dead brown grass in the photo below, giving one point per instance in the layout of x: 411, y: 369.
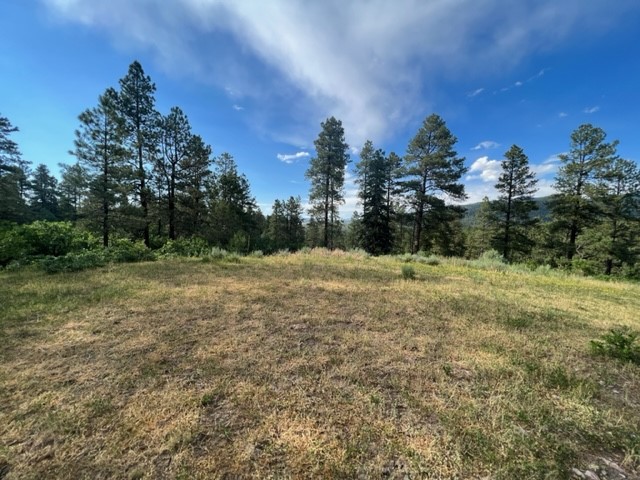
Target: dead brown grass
x: 311, y: 366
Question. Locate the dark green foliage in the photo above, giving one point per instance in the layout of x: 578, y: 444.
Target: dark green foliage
x: 326, y: 174
x: 194, y: 178
x: 73, y: 190
x: 176, y: 144
x: 123, y: 250
x: 74, y: 262
x: 573, y: 209
x: 374, y: 177
x: 285, y: 229
x: 511, y: 212
x: 620, y: 343
x: 232, y: 208
x: 185, y: 247
x: 13, y: 176
x: 482, y: 231
x: 44, y: 195
x: 140, y: 123
x: 431, y: 168
x: 99, y: 149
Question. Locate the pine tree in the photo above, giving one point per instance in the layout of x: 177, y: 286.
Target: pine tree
x: 512, y: 210
x: 14, y: 172
x: 617, y: 196
x: 482, y: 232
x: 44, y: 195
x: 140, y: 122
x: 326, y: 174
x: 73, y: 190
x: 192, y: 185
x: 176, y: 142
x: 373, y: 173
x: 572, y: 207
x: 432, y: 168
x: 98, y: 146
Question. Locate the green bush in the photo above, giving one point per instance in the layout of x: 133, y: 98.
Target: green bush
x: 123, y: 250
x: 74, y: 262
x: 217, y: 253
x: 408, y: 272
x: 239, y: 243
x: 619, y: 343
x: 257, y: 254
x: 184, y: 247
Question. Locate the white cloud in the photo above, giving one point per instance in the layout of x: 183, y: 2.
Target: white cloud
x: 238, y: 108
x: 372, y: 63
x: 486, y: 145
x: 293, y: 157
x: 485, y: 169
x: 475, y: 93
x: 591, y: 109
x: 563, y: 115
x: 518, y: 84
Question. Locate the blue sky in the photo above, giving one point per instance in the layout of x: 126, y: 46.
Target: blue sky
x: 256, y: 78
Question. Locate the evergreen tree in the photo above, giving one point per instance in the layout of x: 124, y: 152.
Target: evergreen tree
x: 512, y: 210
x: 233, y: 211
x: 326, y: 174
x: 98, y: 146
x: 195, y: 176
x: 617, y: 196
x: 572, y: 207
x: 432, y: 168
x: 14, y: 173
x: 73, y: 190
x: 482, y: 232
x: 140, y: 121
x: 44, y: 195
x: 373, y: 173
x: 176, y: 144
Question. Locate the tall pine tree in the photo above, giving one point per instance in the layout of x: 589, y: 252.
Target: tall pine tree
x: 572, y: 208
x: 512, y: 210
x: 326, y: 174
x: 140, y: 122
x: 98, y: 146
x: 432, y: 168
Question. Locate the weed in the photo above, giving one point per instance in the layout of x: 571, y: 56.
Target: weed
x: 618, y: 343
x: 408, y: 272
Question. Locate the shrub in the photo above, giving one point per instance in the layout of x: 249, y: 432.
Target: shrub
x: 257, y: 254
x: 432, y: 260
x: 124, y: 250
x: 217, y: 253
x: 408, y: 272
x: 184, y: 247
x: 358, y: 253
x: 283, y: 253
x: 619, y: 343
x: 305, y: 250
x: 74, y: 262
x: 239, y: 243
x: 233, y: 257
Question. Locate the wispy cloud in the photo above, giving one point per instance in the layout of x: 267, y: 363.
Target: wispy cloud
x: 475, y: 93
x: 486, y: 145
x: 366, y: 62
x: 485, y: 169
x: 563, y: 115
x: 590, y: 110
x: 293, y: 157
x: 238, y: 108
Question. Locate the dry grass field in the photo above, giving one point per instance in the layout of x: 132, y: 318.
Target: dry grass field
x: 313, y: 366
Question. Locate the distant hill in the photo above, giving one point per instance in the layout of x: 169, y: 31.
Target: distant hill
x: 542, y: 212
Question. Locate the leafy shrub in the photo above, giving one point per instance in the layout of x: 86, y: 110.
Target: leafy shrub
x: 619, y: 343
x: 184, y: 247
x: 283, y: 253
x: 233, y: 257
x: 408, y: 272
x: 432, y: 260
x: 406, y: 257
x: 257, y: 254
x: 74, y: 262
x: 239, y: 243
x: 124, y: 250
x: 358, y: 253
x: 305, y: 251
x: 217, y: 253
x: 492, y: 256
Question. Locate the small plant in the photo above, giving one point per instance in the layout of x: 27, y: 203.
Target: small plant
x: 432, y: 260
x: 408, y: 272
x: 217, y: 253
x: 619, y: 343
x: 257, y: 254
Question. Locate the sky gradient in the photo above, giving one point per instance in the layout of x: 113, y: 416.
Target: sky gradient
x: 257, y: 78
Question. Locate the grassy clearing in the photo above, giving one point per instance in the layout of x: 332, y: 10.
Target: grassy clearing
x: 327, y: 366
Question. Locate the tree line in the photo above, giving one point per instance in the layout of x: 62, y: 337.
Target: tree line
x: 146, y: 176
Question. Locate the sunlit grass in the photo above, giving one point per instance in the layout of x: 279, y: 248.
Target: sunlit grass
x: 317, y: 365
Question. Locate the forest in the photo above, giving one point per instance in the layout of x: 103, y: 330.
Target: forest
x: 144, y: 184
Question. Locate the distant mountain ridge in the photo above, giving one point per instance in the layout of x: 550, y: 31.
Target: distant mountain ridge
x: 543, y: 211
